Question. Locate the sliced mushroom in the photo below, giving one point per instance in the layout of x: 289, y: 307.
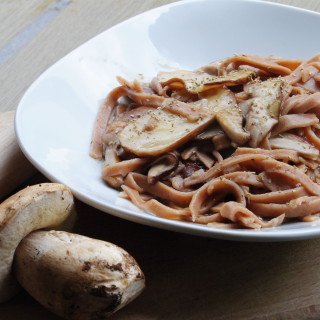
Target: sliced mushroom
x: 162, y: 167
x: 199, y: 81
x: 194, y: 154
x: 264, y: 109
x: 223, y: 103
x: 152, y: 131
x: 292, y: 142
x: 221, y: 141
x: 210, y: 132
x: 190, y: 167
x: 245, y: 106
x: 218, y: 137
x: 155, y: 131
x: 190, y: 153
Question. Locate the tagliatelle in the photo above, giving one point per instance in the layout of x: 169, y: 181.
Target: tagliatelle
x: 234, y: 144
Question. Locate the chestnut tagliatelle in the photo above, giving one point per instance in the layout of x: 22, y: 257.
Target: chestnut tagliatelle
x: 234, y: 144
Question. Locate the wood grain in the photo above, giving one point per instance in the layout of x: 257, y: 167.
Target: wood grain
x: 10, y: 27
x: 313, y: 5
x: 188, y: 277
x: 14, y: 167
x: 65, y: 33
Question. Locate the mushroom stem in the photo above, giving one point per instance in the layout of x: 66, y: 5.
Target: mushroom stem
x: 77, y: 277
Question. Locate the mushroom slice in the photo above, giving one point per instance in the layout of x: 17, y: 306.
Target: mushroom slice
x: 199, y: 81
x: 217, y: 135
x: 154, y: 131
x: 210, y: 132
x: 264, y: 110
x: 162, y: 167
x: 40, y: 206
x: 223, y: 103
x: 292, y: 142
x: 76, y: 277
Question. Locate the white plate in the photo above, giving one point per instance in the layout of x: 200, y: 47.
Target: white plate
x: 55, y: 118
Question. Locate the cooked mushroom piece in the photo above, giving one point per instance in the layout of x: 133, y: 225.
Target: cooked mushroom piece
x: 264, y: 109
x: 150, y: 132
x: 210, y: 132
x: 73, y: 276
x: 222, y: 102
x: 162, y: 167
x: 292, y: 142
x: 155, y: 131
x: 199, y: 81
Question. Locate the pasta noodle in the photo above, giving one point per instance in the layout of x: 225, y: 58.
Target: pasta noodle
x: 233, y: 144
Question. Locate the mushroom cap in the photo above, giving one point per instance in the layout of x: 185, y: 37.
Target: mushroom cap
x: 77, y: 277
x: 46, y: 205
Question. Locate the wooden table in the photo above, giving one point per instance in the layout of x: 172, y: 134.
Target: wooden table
x: 188, y: 277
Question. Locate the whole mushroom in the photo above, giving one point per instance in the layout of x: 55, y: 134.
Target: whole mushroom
x: 73, y: 276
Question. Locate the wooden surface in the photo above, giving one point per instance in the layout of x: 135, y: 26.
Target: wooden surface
x: 14, y: 167
x: 188, y: 277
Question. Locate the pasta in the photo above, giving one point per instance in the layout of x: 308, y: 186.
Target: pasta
x: 233, y: 144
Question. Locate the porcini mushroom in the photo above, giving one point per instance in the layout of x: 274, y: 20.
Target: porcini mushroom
x: 77, y: 277
x: 37, y: 207
x: 293, y: 142
x: 222, y: 102
x: 162, y: 167
x: 155, y: 131
x: 264, y: 109
x: 73, y: 276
